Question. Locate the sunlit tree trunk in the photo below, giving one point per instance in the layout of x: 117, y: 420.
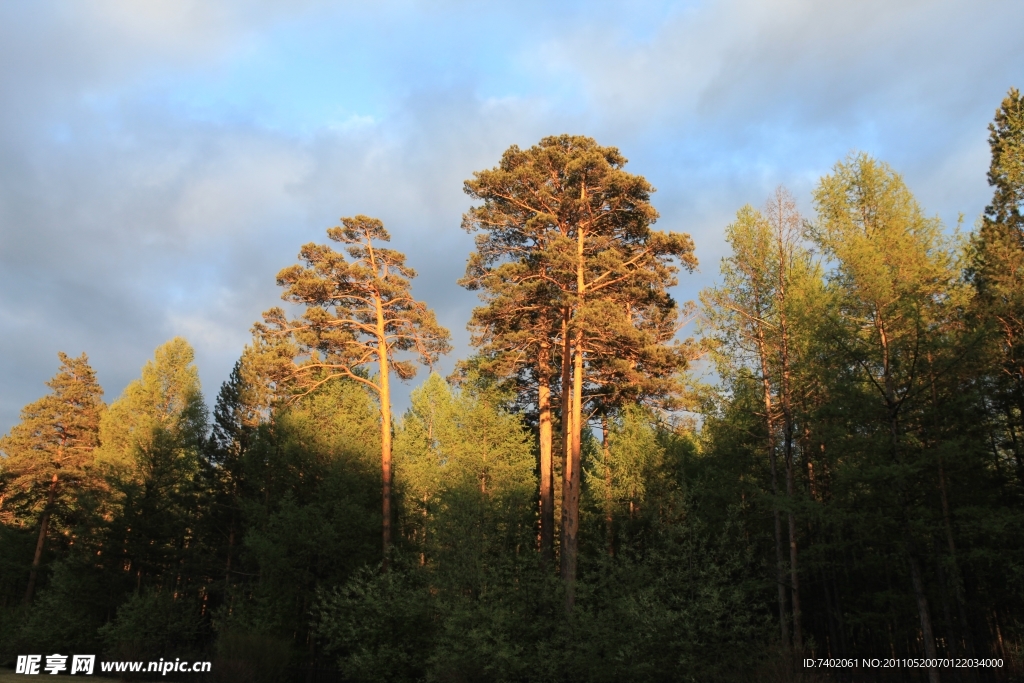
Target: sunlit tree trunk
x: 567, y: 432
x: 570, y: 515
x: 44, y: 523
x: 609, y: 522
x: 385, y: 434
x: 547, y: 501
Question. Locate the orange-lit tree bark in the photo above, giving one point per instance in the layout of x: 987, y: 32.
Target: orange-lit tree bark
x: 51, y: 449
x: 564, y: 213
x: 360, y: 316
x: 514, y: 335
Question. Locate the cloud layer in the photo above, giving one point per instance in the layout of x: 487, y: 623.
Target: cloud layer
x: 160, y: 162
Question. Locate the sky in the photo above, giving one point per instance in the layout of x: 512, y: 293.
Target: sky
x: 161, y: 161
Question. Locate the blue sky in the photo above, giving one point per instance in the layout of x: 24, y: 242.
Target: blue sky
x: 161, y: 161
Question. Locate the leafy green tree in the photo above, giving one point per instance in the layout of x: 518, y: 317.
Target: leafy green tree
x: 359, y: 314
x: 151, y: 625
x: 378, y: 626
x: 768, y: 279
x: 516, y: 337
x: 896, y: 279
x: 152, y: 440
x: 463, y: 460
x: 634, y: 450
x: 309, y: 500
x: 236, y: 419
x: 564, y: 213
x: 51, y: 451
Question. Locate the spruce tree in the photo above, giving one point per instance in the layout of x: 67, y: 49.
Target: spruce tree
x: 997, y: 270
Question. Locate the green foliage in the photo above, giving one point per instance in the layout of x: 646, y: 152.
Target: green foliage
x: 46, y: 472
x: 309, y: 505
x: 462, y: 441
x: 378, y: 626
x: 690, y: 609
x: 160, y: 410
x: 154, y: 624
x: 634, y: 451
x: 56, y: 436
x: 66, y: 614
x: 997, y: 273
x: 468, y: 476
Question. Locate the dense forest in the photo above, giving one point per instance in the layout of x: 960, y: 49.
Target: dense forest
x: 572, y: 503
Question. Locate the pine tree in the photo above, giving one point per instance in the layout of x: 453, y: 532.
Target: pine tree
x: 567, y: 222
x: 52, y: 447
x: 360, y: 315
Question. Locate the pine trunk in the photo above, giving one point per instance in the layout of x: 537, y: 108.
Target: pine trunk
x: 566, y: 445
x: 385, y: 435
x: 571, y: 486
x: 609, y: 521
x: 44, y: 523
x: 547, y: 501
x: 571, y: 477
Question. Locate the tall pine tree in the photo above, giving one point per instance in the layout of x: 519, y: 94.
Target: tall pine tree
x: 359, y: 317
x: 49, y: 452
x: 566, y: 221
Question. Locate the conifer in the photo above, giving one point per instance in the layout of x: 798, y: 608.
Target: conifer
x: 52, y: 447
x: 359, y: 317
x: 568, y: 227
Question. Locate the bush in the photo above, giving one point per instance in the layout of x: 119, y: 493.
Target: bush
x: 62, y: 618
x: 378, y: 626
x: 153, y: 624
